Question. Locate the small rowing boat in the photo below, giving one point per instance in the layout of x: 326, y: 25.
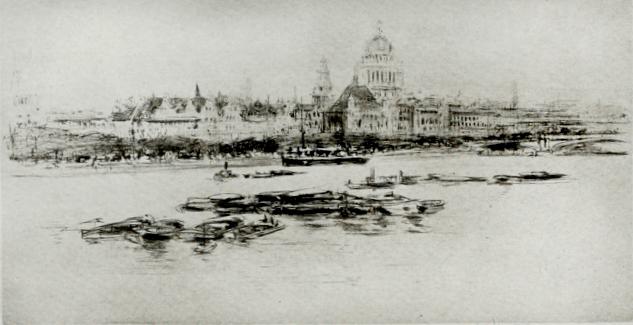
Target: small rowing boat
x: 430, y: 206
x: 454, y: 178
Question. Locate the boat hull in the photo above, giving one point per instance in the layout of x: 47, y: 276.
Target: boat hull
x: 371, y: 185
x: 309, y: 161
x: 156, y: 236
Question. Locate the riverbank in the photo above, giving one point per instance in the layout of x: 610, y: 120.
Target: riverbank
x: 56, y: 146
x: 45, y: 169
x: 527, y: 147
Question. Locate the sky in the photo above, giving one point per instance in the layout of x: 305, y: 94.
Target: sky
x: 87, y: 54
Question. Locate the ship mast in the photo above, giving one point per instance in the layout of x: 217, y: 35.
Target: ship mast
x: 303, y: 132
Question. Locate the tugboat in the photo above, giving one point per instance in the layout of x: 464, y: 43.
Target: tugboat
x: 403, y: 179
x: 319, y: 156
x: 225, y: 173
x: 371, y: 182
x: 322, y: 157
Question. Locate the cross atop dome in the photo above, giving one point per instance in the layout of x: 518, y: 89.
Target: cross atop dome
x: 378, y: 44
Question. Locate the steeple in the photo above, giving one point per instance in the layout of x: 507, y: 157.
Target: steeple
x: 324, y: 84
x: 323, y: 88
x: 198, y: 101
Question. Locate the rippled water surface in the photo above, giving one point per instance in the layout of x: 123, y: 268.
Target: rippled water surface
x: 530, y: 252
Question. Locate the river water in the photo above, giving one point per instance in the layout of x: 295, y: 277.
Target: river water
x: 551, y: 251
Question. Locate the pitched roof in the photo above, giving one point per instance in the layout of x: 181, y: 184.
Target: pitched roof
x: 409, y: 102
x: 362, y: 93
x: 259, y: 108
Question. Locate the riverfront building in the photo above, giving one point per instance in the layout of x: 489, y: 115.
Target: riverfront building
x: 374, y: 102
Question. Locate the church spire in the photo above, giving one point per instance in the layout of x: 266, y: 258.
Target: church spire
x: 323, y: 86
x: 197, y: 91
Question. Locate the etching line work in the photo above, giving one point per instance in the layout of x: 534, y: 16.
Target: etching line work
x: 373, y: 113
x: 316, y: 162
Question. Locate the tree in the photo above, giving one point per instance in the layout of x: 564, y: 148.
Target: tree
x: 339, y: 138
x: 370, y: 142
x: 270, y: 145
x: 196, y: 146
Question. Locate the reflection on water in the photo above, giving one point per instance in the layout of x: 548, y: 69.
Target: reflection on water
x: 541, y: 246
x: 156, y: 248
x: 371, y: 224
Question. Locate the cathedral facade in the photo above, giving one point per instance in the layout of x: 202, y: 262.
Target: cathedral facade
x: 369, y: 103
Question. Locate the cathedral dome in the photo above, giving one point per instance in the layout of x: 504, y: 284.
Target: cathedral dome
x: 379, y: 44
x: 378, y: 68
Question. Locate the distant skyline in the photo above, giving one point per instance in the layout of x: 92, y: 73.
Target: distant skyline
x: 88, y: 54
